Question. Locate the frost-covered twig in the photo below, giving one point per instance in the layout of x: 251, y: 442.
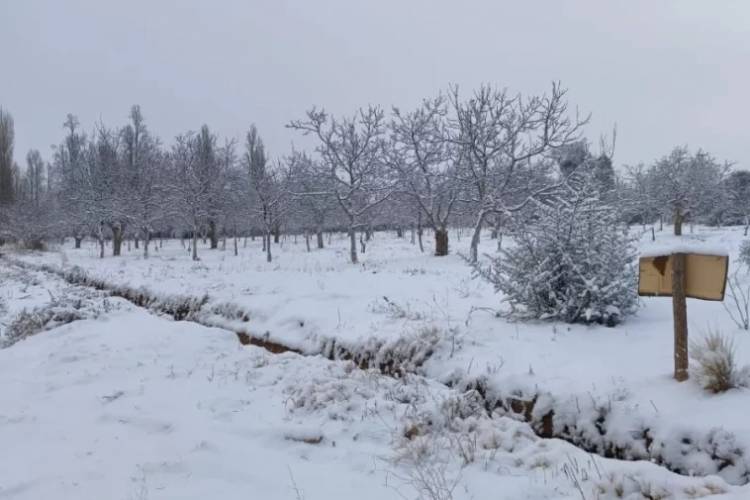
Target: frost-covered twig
x: 740, y: 312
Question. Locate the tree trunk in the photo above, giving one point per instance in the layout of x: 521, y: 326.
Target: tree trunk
x: 135, y: 241
x: 146, y: 241
x: 362, y: 243
x: 195, y: 243
x: 100, y: 237
x: 236, y: 251
x: 213, y: 235
x: 307, y: 240
x: 264, y: 243
x: 78, y: 240
x: 747, y: 224
x: 419, y: 231
x: 320, y: 238
x: 276, y: 234
x: 413, y: 236
x: 474, y: 248
x: 441, y: 242
x: 498, y: 230
x: 678, y: 222
x: 268, y: 247
x: 352, y: 245
x: 116, y: 239
x: 368, y: 234
x: 399, y: 232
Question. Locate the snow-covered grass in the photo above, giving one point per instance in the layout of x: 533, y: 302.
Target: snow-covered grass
x: 135, y: 406
x: 30, y: 303
x: 306, y: 300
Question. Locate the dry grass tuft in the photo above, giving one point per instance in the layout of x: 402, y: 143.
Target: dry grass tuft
x: 716, y: 369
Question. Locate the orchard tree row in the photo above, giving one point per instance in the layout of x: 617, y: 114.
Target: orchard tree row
x: 482, y: 160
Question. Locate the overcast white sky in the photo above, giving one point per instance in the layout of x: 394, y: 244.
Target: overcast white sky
x: 666, y: 72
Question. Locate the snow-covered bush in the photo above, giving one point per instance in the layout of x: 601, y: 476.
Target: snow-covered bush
x: 639, y: 486
x: 30, y: 322
x: 715, y: 368
x: 573, y: 261
x: 74, y: 305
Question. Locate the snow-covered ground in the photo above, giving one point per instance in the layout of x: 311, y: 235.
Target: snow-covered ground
x: 133, y: 405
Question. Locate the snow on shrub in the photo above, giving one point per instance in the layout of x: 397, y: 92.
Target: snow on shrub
x: 608, y: 427
x: 58, y: 312
x: 406, y: 354
x: 715, y: 368
x: 640, y: 487
x: 573, y: 261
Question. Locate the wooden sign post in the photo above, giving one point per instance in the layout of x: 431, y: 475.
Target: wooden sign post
x: 683, y: 275
x: 679, y: 310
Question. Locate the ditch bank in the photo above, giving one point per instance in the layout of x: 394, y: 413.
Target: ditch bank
x: 598, y: 427
x: 395, y: 358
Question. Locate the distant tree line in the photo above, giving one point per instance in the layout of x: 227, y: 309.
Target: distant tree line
x: 480, y: 161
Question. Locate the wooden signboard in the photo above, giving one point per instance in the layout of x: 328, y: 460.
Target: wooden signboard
x: 682, y: 275
x: 705, y: 276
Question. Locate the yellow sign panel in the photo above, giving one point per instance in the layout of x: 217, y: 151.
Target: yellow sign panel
x: 705, y: 276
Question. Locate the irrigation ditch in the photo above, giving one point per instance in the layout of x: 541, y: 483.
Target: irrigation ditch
x: 590, y: 428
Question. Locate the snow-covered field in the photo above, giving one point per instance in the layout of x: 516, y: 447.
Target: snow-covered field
x: 129, y: 404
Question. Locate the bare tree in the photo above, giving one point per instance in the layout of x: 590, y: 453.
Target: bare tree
x: 426, y: 164
x: 69, y: 167
x: 233, y: 200
x: 637, y: 196
x: 734, y: 204
x: 686, y: 184
x: 209, y: 170
x: 497, y: 133
x: 312, y: 193
x: 29, y: 218
x: 7, y: 138
x: 145, y: 179
x: 189, y: 189
x: 351, y: 157
x: 268, y: 195
x: 100, y: 195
